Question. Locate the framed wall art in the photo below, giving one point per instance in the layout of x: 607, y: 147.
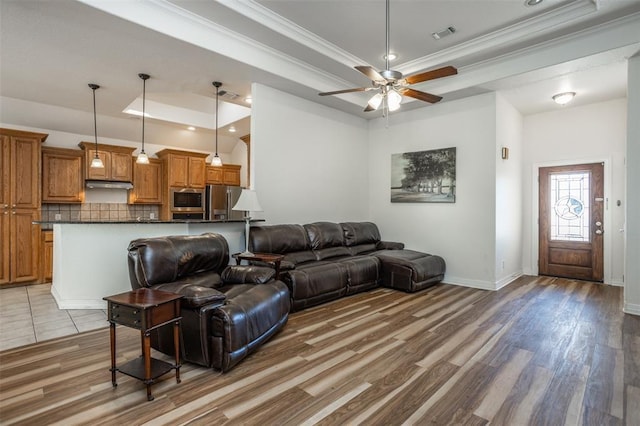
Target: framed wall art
x: 424, y: 176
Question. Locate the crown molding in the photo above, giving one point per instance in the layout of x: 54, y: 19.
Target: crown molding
x: 266, y: 17
x: 513, y: 33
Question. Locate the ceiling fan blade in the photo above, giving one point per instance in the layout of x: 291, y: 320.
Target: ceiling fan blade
x: 427, y: 97
x: 337, y: 92
x: 370, y: 72
x: 431, y: 75
x: 369, y: 108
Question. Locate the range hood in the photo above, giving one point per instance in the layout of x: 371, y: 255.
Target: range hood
x: 107, y: 184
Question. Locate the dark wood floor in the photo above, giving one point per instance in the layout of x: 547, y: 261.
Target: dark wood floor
x: 542, y: 351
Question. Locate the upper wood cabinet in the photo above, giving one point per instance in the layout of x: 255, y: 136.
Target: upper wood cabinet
x: 62, y: 175
x: 116, y: 160
x: 147, y: 183
x: 183, y: 169
x: 227, y: 174
x: 19, y: 205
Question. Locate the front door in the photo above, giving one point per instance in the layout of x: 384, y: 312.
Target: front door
x: 571, y: 202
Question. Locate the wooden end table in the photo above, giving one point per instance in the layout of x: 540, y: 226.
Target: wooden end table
x: 272, y: 258
x: 144, y: 309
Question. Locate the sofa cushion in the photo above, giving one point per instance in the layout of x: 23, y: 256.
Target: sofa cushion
x: 280, y: 239
x: 362, y: 249
x: 356, y: 233
x: 326, y: 240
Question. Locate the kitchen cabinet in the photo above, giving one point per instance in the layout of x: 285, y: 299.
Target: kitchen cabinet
x: 147, y: 183
x: 227, y: 174
x: 116, y: 160
x: 183, y: 169
x: 62, y: 175
x: 46, y: 256
x: 20, y: 205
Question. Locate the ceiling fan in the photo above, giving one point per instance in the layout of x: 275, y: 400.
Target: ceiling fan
x: 392, y: 85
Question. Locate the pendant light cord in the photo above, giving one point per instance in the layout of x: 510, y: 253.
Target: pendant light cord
x: 95, y: 121
x: 217, y: 90
x: 144, y: 92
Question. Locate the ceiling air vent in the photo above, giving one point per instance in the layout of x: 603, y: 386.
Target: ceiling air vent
x: 446, y: 32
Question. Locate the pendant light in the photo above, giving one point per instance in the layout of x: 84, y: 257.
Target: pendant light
x: 216, y: 160
x: 96, y: 163
x: 143, y: 158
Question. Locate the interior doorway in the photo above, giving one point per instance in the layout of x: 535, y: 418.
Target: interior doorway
x: 571, y: 218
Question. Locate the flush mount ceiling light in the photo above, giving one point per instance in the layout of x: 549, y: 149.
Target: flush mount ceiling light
x: 532, y: 2
x: 216, y: 160
x: 232, y: 129
x: 392, y: 56
x: 446, y: 32
x: 248, y: 99
x: 193, y: 129
x: 96, y: 163
x: 563, y: 98
x: 143, y: 158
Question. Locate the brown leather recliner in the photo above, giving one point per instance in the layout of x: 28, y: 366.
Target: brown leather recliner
x: 227, y: 311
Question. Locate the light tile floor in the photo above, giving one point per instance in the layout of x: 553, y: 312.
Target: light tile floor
x: 29, y: 314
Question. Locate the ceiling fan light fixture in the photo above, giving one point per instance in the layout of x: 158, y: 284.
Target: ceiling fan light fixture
x: 393, y: 100
x: 376, y: 100
x: 563, y: 98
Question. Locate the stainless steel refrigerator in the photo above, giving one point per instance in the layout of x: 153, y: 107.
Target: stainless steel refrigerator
x: 219, y: 201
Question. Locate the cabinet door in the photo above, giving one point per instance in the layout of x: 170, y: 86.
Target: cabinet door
x: 25, y: 238
x: 178, y: 171
x: 62, y: 180
x: 214, y: 175
x: 5, y: 217
x: 5, y: 177
x: 25, y: 172
x: 147, y: 183
x: 231, y: 175
x: 47, y: 256
x: 196, y: 172
x: 121, y: 169
x: 102, y: 173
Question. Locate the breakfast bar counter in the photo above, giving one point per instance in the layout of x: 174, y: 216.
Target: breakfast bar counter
x: 90, y: 257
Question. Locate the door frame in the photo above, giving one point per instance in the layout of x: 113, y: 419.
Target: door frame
x: 607, y: 244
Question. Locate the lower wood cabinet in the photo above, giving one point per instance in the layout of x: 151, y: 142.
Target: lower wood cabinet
x: 46, y: 256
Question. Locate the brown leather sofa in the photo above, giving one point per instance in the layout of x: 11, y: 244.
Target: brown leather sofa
x: 227, y: 311
x: 324, y: 260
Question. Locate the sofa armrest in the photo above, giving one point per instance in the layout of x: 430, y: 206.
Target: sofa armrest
x: 285, y: 265
x: 247, y: 274
x: 389, y: 245
x: 194, y: 296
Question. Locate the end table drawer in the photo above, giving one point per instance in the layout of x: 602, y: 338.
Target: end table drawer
x: 126, y: 315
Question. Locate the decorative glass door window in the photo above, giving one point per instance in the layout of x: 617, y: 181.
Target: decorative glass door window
x: 571, y: 209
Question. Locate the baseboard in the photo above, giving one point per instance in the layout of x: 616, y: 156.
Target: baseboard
x: 466, y: 282
x: 508, y: 280
x: 617, y: 283
x: 631, y: 308
x: 77, y: 304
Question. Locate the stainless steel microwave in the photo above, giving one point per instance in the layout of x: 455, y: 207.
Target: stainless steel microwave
x: 187, y: 200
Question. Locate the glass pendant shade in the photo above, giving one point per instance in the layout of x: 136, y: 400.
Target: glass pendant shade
x: 216, y: 161
x: 376, y: 100
x: 143, y: 158
x: 393, y: 100
x: 97, y: 163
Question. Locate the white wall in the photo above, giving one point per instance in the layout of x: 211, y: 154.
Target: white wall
x: 572, y: 135
x: 632, y: 242
x: 312, y: 160
x: 239, y: 156
x: 462, y: 232
x: 508, y: 220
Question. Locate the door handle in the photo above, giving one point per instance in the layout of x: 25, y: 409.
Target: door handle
x: 599, y: 231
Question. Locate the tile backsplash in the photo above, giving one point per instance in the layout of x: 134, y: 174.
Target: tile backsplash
x: 97, y: 212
